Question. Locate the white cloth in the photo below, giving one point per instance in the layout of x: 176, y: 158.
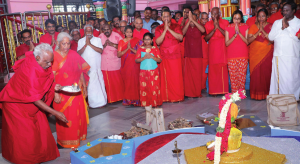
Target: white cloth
x: 160, y: 22
x: 96, y: 89
x: 287, y: 55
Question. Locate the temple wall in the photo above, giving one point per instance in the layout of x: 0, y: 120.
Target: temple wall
x: 27, y: 5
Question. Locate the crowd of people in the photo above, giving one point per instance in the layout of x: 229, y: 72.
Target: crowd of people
x: 147, y: 62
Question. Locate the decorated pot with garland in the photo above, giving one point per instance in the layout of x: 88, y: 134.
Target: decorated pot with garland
x: 228, y: 137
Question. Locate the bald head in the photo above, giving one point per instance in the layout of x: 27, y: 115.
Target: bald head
x: 216, y: 9
x: 215, y: 13
x: 123, y: 24
x: 138, y: 23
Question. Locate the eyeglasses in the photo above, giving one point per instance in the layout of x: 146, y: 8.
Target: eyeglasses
x: 122, y: 26
x: 274, y: 8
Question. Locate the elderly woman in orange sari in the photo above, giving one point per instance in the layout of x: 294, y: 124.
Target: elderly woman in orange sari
x: 129, y: 69
x: 260, y: 56
x: 70, y: 68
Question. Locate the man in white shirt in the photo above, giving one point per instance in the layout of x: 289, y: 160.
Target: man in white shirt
x: 90, y: 48
x: 285, y: 77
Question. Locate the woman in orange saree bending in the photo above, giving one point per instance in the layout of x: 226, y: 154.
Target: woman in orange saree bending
x: 129, y: 69
x: 69, y: 68
x: 260, y: 57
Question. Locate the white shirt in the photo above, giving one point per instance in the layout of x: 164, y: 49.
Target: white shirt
x: 286, y: 43
x: 160, y: 22
x: 96, y: 89
x: 92, y: 57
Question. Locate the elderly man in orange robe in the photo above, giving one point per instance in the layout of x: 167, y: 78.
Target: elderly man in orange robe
x: 217, y: 60
x: 168, y: 37
x: 26, y: 135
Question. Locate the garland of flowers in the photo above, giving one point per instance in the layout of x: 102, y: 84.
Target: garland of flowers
x: 223, y: 130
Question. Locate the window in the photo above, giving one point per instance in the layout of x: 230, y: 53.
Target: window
x: 58, y: 8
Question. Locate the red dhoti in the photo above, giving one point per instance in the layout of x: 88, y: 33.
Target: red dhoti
x: 218, y: 79
x: 171, y: 80
x: 204, y: 75
x: 26, y: 135
x: 114, y: 85
x: 217, y: 58
x: 193, y: 77
x: 182, y: 54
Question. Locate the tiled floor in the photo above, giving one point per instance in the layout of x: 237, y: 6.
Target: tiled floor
x: 115, y: 118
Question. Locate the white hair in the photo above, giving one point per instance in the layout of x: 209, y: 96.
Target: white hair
x: 88, y: 25
x: 42, y: 48
x: 75, y: 30
x: 276, y: 3
x: 60, y: 37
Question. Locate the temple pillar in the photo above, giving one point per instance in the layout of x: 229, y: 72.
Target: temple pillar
x: 124, y: 10
x: 215, y: 3
x: 203, y: 6
x: 245, y: 6
x: 229, y: 7
x: 99, y: 8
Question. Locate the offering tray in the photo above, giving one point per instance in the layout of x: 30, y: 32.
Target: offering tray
x: 71, y: 89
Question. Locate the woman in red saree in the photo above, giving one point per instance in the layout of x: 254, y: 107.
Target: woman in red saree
x: 129, y: 69
x: 149, y: 55
x: 69, y: 68
x: 260, y: 57
x: 237, y: 50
